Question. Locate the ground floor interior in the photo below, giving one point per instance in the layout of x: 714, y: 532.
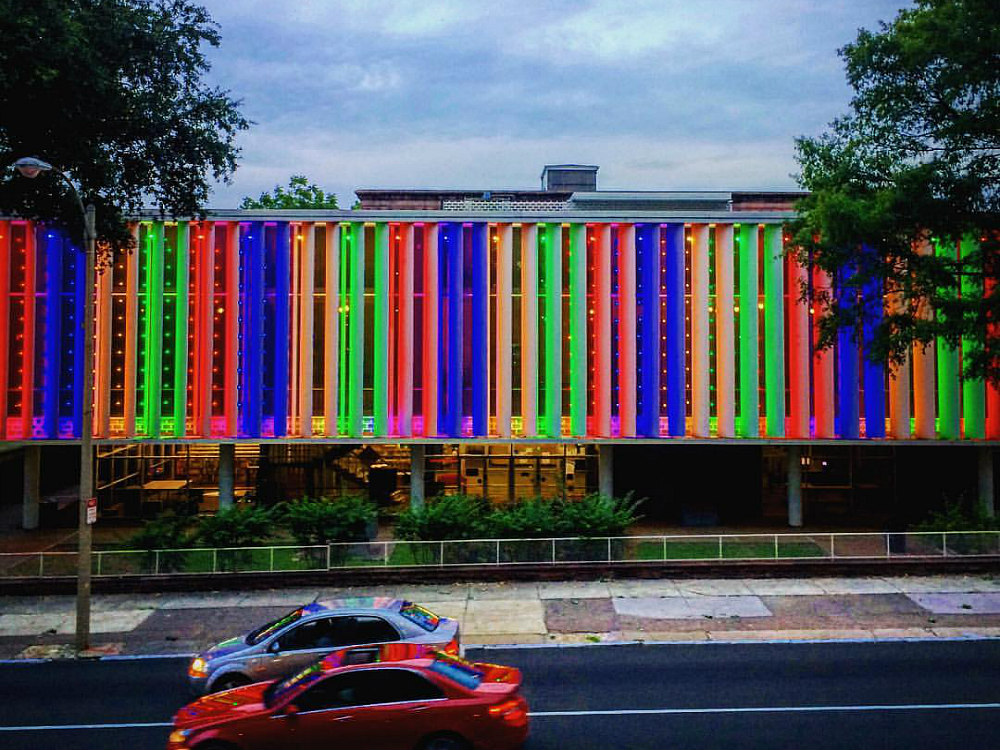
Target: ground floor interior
x: 837, y: 486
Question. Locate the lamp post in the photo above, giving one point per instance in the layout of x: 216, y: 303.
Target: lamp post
x: 31, y: 167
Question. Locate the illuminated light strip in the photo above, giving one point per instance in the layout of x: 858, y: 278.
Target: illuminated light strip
x: 306, y: 333
x: 847, y: 362
x: 899, y: 384
x: 355, y: 412
x: 283, y: 277
x: 181, y: 327
x: 923, y: 373
x: 529, y: 329
x: 429, y: 350
x: 454, y: 253
x: 676, y: 359
x: 873, y: 373
x: 253, y: 340
x: 154, y: 329
x: 331, y: 330
x: 798, y: 351
x: 553, y: 330
x: 700, y: 355
x: 392, y: 338
x: 992, y: 391
x: 774, y: 330
x: 578, y: 329
x: 948, y: 398
x: 973, y: 391
x: 602, y: 330
x: 749, y: 344
x: 52, y: 332
x: 344, y: 310
x: 725, y: 335
x: 380, y: 352
x: 78, y: 296
x: 204, y: 329
x: 648, y: 340
x: 234, y: 301
x: 504, y: 343
x: 28, y: 352
x: 131, y: 330
x: 404, y: 359
x: 295, y: 342
x: 103, y: 281
x: 480, y: 359
x: 822, y: 370
x: 626, y: 330
x: 4, y: 322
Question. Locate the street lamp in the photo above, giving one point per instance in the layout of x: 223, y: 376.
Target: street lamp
x: 31, y: 167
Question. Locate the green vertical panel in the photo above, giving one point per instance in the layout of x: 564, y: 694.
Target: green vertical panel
x: 749, y: 358
x: 553, y: 330
x: 343, y: 361
x: 578, y: 328
x: 357, y: 329
x: 947, y: 371
x: 973, y: 391
x: 774, y: 332
x: 181, y: 328
x: 381, y: 336
x: 154, y: 329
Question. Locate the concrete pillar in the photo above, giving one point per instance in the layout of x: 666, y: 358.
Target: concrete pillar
x: 606, y: 470
x: 794, y: 485
x: 32, y: 494
x: 986, y: 488
x: 227, y: 474
x: 416, y: 476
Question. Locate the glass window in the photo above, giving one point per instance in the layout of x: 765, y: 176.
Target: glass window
x: 368, y: 687
x: 256, y: 636
x: 373, y: 630
x: 419, y: 615
x: 327, y: 632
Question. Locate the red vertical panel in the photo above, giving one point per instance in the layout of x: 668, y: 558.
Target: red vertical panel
x: 992, y: 389
x: 602, y: 330
x: 626, y: 332
x: 430, y: 343
x: 232, y: 291
x: 798, y: 351
x: 4, y: 322
x: 391, y: 343
x: 822, y: 372
x: 404, y: 361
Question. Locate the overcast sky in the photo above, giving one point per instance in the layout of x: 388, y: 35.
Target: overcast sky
x: 661, y: 94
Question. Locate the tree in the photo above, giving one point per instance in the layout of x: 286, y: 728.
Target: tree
x: 300, y: 194
x: 111, y: 92
x: 904, y: 188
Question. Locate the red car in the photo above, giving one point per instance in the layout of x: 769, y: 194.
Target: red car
x: 369, y: 698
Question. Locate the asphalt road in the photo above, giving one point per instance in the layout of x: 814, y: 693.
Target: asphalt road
x: 834, y: 695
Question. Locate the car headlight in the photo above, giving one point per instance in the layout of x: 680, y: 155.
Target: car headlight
x: 198, y: 668
x: 178, y: 736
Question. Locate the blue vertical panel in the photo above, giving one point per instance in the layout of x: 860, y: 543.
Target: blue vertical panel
x: 443, y: 421
x: 480, y: 332
x: 253, y: 338
x: 282, y: 258
x: 847, y: 365
x: 53, y: 325
x: 873, y: 372
x: 455, y: 329
x: 79, y: 299
x: 647, y: 240
x: 676, y: 381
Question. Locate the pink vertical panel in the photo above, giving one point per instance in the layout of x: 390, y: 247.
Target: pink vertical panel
x: 331, y: 330
x: 924, y: 399
x: 822, y: 372
x: 899, y: 387
x: 204, y: 313
x: 602, y: 330
x: 131, y: 332
x: 725, y: 332
x: 798, y: 351
x: 505, y: 290
x: 626, y: 330
x: 4, y: 322
x: 429, y: 379
x: 700, y: 380
x: 307, y: 268
x: 28, y: 362
x: 404, y: 360
x: 529, y: 329
x: 293, y: 416
x: 232, y: 286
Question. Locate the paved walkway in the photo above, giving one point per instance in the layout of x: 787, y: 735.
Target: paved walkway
x: 875, y: 609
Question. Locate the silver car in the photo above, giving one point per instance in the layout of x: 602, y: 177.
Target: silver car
x: 299, y: 638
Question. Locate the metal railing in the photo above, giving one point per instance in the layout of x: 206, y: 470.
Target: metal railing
x: 928, y: 545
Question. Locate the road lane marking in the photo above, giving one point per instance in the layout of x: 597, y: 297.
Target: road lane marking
x: 612, y: 712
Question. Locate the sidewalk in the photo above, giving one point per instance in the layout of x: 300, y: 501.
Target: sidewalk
x: 875, y: 608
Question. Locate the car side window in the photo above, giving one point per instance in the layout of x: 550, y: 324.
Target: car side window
x: 400, y: 685
x: 340, y: 691
x: 366, y: 688
x: 310, y: 635
x: 373, y: 630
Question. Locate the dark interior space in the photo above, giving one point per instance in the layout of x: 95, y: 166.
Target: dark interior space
x: 927, y: 479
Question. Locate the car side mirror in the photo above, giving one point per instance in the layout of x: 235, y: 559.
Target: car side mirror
x: 274, y: 648
x: 291, y: 710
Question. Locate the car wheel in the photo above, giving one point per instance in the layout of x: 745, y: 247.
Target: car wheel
x: 228, y: 682
x: 444, y: 741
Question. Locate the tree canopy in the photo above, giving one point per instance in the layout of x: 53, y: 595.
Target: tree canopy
x: 904, y: 191
x: 299, y: 194
x: 112, y: 93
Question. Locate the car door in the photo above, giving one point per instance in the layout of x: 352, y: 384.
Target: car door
x: 300, y: 646
x: 332, y: 713
x: 404, y: 705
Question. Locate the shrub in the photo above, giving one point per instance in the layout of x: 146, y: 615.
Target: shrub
x: 444, y: 517
x: 956, y: 516
x: 237, y: 527
x: 166, y: 532
x: 321, y: 520
x: 598, y: 515
x: 528, y: 519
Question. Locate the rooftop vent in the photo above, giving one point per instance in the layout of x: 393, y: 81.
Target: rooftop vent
x: 569, y: 178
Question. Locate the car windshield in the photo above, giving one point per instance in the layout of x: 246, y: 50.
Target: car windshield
x: 280, y: 688
x: 419, y: 615
x: 256, y: 636
x: 457, y: 670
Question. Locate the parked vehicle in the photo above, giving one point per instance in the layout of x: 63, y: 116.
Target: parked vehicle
x: 402, y: 696
x: 289, y: 643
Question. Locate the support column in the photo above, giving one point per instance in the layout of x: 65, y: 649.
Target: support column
x: 794, y: 486
x: 227, y: 474
x: 986, y: 487
x: 606, y: 470
x: 416, y: 476
x: 32, y: 477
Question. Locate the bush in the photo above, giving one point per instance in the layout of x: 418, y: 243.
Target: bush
x: 956, y: 516
x: 237, y: 527
x: 444, y: 517
x: 322, y: 521
x: 166, y: 532
x: 534, y: 518
x: 598, y: 515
